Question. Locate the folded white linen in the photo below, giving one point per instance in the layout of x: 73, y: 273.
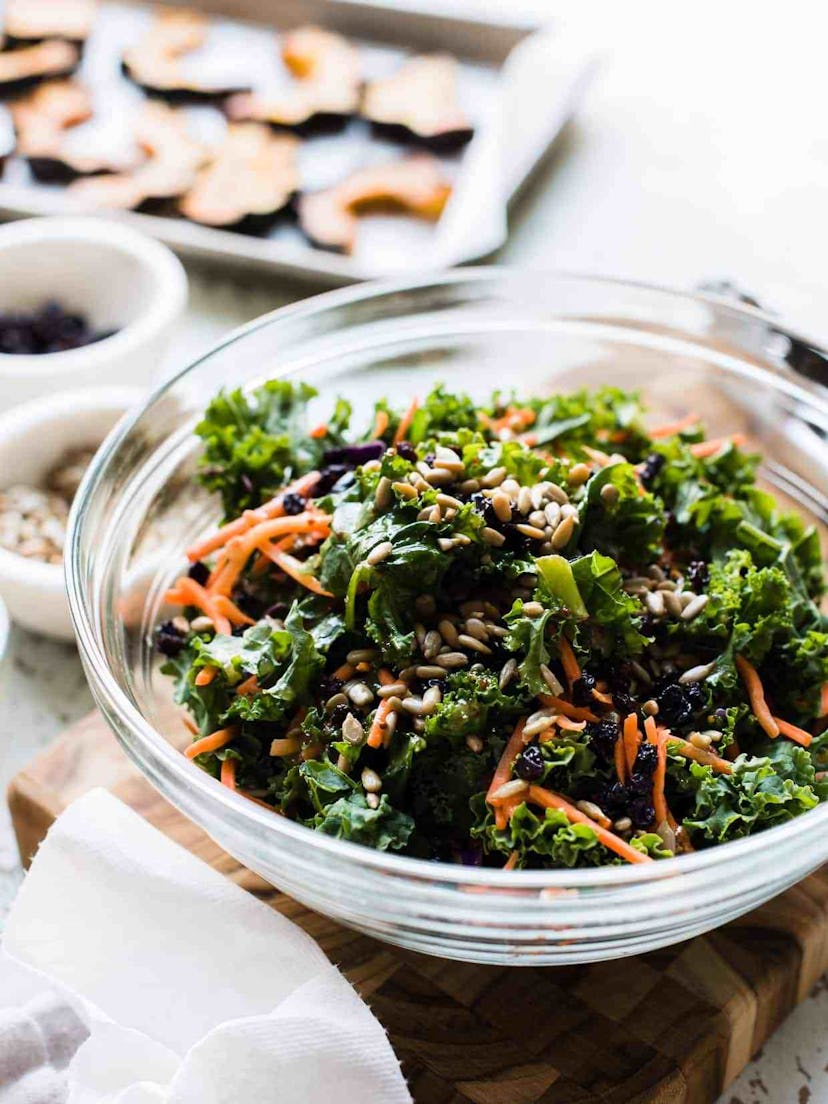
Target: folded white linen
x: 194, y: 992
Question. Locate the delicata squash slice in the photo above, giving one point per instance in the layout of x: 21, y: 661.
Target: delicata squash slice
x: 327, y: 87
x: 20, y: 69
x: 43, y: 119
x: 251, y: 179
x: 28, y: 21
x: 419, y: 102
x: 173, y: 159
x: 155, y: 62
x: 414, y: 185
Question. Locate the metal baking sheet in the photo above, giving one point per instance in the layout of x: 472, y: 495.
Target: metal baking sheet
x: 499, y: 67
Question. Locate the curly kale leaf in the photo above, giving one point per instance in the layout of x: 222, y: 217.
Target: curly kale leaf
x: 591, y: 418
x: 629, y: 528
x: 352, y: 818
x: 256, y: 442
x: 614, y: 616
x: 760, y: 793
x: 442, y: 412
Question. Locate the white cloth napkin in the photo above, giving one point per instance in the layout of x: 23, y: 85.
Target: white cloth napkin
x: 191, y: 990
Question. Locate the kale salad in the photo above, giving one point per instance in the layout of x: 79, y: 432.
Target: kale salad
x: 528, y: 634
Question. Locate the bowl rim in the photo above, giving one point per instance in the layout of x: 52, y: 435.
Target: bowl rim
x: 243, y: 815
x: 167, y: 299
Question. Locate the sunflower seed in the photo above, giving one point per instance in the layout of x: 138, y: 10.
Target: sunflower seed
x: 552, y: 513
x: 563, y: 534
x: 449, y: 502
x: 466, y: 641
x: 551, y: 680
x: 360, y: 694
x: 435, y: 514
x: 433, y: 696
x: 655, y: 572
x: 537, y: 518
x: 557, y: 494
x: 201, y: 624
x: 537, y: 723
x: 352, y: 730
x: 623, y: 825
x: 502, y: 506
x: 491, y: 536
x: 511, y: 487
x: 392, y: 690
x: 507, y: 673
x: 414, y: 705
x: 672, y: 603
x: 432, y: 643
x: 700, y: 740
x: 430, y: 671
x: 654, y: 601
x: 578, y: 474
x: 610, y: 495
x: 524, y: 500
x: 568, y: 510
x: 475, y: 627
x: 694, y: 607
x: 445, y: 544
x: 470, y: 486
x: 361, y: 655
x: 697, y: 674
x: 371, y: 781
x: 382, y: 498
x: 510, y: 789
x: 452, y: 660
x: 531, y: 531
x: 334, y: 700
x: 448, y: 631
x: 372, y: 800
x: 404, y: 489
x: 532, y: 609
x: 493, y: 478
x: 475, y: 744
x: 650, y: 707
x: 592, y: 810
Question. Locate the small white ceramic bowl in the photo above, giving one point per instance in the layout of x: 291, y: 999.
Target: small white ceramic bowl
x: 120, y: 279
x: 33, y: 438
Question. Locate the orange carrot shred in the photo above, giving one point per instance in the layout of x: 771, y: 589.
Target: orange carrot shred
x: 205, y: 676
x: 271, y: 509
x: 381, y: 423
x: 702, y: 449
x: 670, y: 429
x: 600, y: 696
x: 187, y: 592
x: 379, y: 726
x: 213, y: 742
x: 700, y: 755
x: 571, y: 667
x: 294, y: 568
x: 550, y: 800
x: 344, y: 672
x: 228, y: 773
x: 570, y: 726
x: 657, y: 738
x: 231, y: 611
x: 511, y: 862
x: 793, y: 732
x: 620, y: 759
x: 632, y: 740
x: 503, y: 771
x: 385, y: 677
x: 574, y: 712
x: 318, y: 431
x: 249, y: 686
x: 756, y: 696
x: 406, y: 420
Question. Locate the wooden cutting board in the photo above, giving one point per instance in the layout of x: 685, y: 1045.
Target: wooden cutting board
x: 672, y: 1027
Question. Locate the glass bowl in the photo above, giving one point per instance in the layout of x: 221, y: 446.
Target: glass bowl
x: 138, y: 508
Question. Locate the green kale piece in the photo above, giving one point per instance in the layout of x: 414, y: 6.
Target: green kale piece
x: 630, y: 528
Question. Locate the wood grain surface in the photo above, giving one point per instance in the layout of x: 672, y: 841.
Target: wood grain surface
x: 672, y: 1027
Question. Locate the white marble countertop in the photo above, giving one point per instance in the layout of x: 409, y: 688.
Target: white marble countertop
x: 681, y: 166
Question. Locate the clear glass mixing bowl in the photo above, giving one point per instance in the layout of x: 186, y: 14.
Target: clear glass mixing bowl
x: 475, y: 330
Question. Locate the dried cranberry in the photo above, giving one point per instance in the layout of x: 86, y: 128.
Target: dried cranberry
x: 330, y: 476
x: 338, y: 715
x: 582, y: 687
x: 646, y: 760
x: 293, y: 503
x: 641, y: 812
x: 602, y: 736
x: 697, y: 575
x: 407, y: 451
x: 483, y: 506
x: 615, y: 800
x: 200, y: 572
x: 169, y: 640
x: 651, y: 468
x: 529, y: 764
x: 673, y: 706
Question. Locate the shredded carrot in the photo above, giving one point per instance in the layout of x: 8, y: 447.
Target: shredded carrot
x: 571, y: 667
x: 228, y: 774
x: 620, y: 759
x: 295, y: 569
x: 515, y: 418
x: 703, y: 449
x: 700, y: 755
x: 205, y: 676
x: 574, y: 712
x: 406, y: 420
x: 249, y: 686
x: 344, y: 672
x: 511, y: 862
x: 503, y: 771
x: 379, y: 725
x: 670, y: 429
x: 632, y: 740
x: 319, y: 431
x: 285, y: 745
x: 187, y: 592
x: 600, y: 696
x: 271, y: 509
x: 213, y: 742
x: 662, y: 813
x: 798, y: 735
x: 385, y: 677
x: 231, y: 611
x: 756, y: 696
x: 381, y: 423
x: 550, y: 800
x: 530, y: 439
x: 239, y: 549
x: 189, y: 724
